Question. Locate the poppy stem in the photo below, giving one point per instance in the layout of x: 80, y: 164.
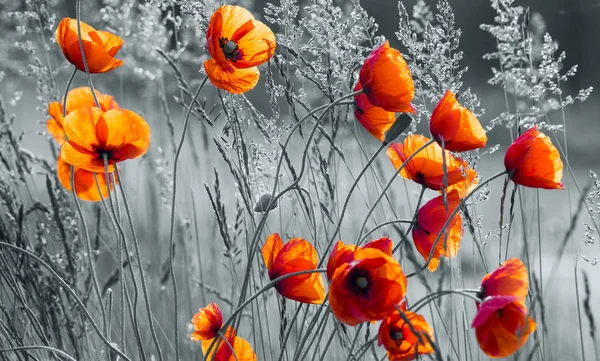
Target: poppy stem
x: 384, y: 190
x: 82, y: 50
x: 415, y: 217
x: 432, y: 296
x: 451, y: 216
x: 69, y: 82
x: 46, y: 348
x: 172, y: 226
x: 387, y: 223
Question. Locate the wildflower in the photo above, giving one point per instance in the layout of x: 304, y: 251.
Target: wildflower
x: 234, y: 349
x: 387, y: 81
x: 100, y: 46
x: 533, y: 161
x: 117, y: 135
x: 405, y: 341
x: 343, y: 253
x: 296, y: 255
x: 237, y: 44
x: 510, y: 279
x: 77, y: 98
x: 456, y: 126
x: 427, y: 166
x: 430, y: 220
x: 207, y: 322
x: 366, y: 287
x: 85, y: 182
x: 502, y: 325
x: 374, y: 119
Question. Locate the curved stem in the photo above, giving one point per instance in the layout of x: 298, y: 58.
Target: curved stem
x: 432, y: 296
x: 69, y: 82
x: 83, y: 56
x: 386, y: 223
x: 47, y: 348
x: 451, y: 216
x: 172, y: 227
x: 415, y: 217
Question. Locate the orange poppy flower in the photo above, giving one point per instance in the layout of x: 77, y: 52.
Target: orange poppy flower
x: 456, y: 126
x: 510, y: 279
x: 533, y: 161
x: 387, y: 81
x: 76, y: 98
x: 207, y: 322
x: 401, y: 343
x: 235, y: 349
x: 468, y: 184
x: 85, y: 184
x: 502, y: 325
x: 430, y: 220
x: 237, y: 44
x: 100, y: 46
x: 427, y: 166
x: 374, y: 119
x: 119, y: 134
x: 344, y: 253
x: 296, y: 255
x: 366, y: 287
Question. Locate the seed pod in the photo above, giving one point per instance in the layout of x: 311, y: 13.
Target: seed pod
x: 263, y: 204
x: 402, y: 122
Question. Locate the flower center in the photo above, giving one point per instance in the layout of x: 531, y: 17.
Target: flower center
x: 360, y: 281
x: 230, y: 49
x: 396, y: 335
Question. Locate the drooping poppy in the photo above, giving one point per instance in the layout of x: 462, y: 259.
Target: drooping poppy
x: 510, y: 279
x: 430, y: 220
x: 85, y: 184
x: 76, y: 98
x: 427, y: 166
x: 456, y: 126
x: 502, y: 325
x: 374, y: 119
x: 295, y: 256
x: 366, y: 287
x: 207, y: 322
x: 100, y: 47
x: 405, y: 341
x: 344, y: 253
x: 118, y: 134
x: 234, y: 349
x: 387, y: 81
x: 237, y: 44
x: 533, y: 161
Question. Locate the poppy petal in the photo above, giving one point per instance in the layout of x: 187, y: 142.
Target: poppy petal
x: 510, y: 279
x: 374, y: 119
x: 231, y: 79
x: 257, y: 46
x: 85, y: 183
x: 54, y: 125
x: 80, y: 127
x: 272, y: 247
x: 111, y: 42
x: 123, y: 133
x: 207, y: 322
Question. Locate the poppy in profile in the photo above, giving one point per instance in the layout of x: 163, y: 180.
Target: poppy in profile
x: 502, y: 325
x: 427, y: 166
x: 85, y: 183
x: 456, y: 126
x: 430, y: 220
x: 295, y: 256
x: 344, y: 253
x: 374, y: 119
x: 510, y: 279
x: 387, y: 81
x: 405, y: 341
x: 77, y: 98
x: 235, y: 349
x: 92, y: 134
x: 100, y: 47
x: 207, y: 322
x: 366, y: 287
x: 533, y: 161
x: 237, y: 44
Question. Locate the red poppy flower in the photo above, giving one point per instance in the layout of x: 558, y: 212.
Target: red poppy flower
x: 85, y: 184
x: 456, y: 126
x: 344, y: 253
x: 374, y: 119
x: 430, y: 220
x: 77, y: 98
x: 502, y: 325
x: 398, y: 338
x: 237, y: 45
x: 533, y: 161
x: 207, y: 322
x: 297, y: 255
x: 387, y: 81
x: 366, y: 287
x: 100, y: 46
x: 510, y: 279
x: 119, y: 134
x: 235, y: 349
x: 427, y: 166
